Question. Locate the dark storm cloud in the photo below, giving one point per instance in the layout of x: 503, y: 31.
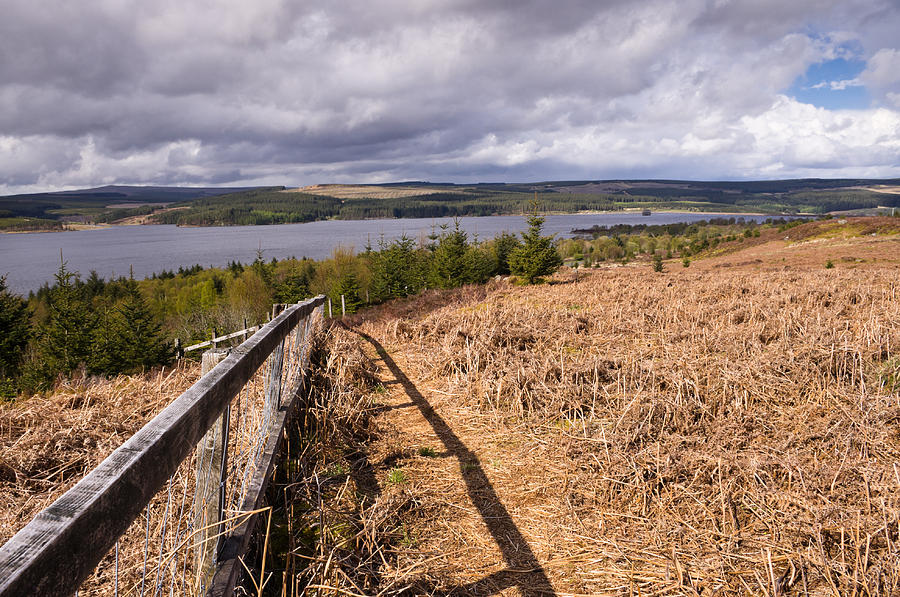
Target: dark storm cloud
x: 188, y: 91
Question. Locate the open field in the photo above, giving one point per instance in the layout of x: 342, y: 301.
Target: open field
x: 355, y: 191
x: 729, y: 428
x: 145, y: 218
x: 893, y: 190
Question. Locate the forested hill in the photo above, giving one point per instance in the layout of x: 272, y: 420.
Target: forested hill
x: 278, y: 205
x: 427, y: 200
x: 47, y: 211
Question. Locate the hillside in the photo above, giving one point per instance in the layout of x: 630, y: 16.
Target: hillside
x: 727, y: 428
x: 279, y: 205
x: 430, y: 200
x: 102, y: 204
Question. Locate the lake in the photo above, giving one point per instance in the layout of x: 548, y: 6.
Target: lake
x: 29, y: 260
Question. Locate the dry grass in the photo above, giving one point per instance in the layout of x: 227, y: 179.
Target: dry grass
x: 48, y: 442
x: 893, y: 190
x: 704, y: 431
x: 351, y: 191
x: 339, y: 523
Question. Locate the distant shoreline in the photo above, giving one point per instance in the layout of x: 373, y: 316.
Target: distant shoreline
x: 70, y: 226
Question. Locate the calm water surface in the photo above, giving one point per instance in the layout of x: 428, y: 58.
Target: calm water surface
x: 29, y: 260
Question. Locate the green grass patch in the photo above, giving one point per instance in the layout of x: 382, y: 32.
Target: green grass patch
x: 396, y: 476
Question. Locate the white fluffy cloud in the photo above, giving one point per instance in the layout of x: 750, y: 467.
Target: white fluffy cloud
x: 273, y: 92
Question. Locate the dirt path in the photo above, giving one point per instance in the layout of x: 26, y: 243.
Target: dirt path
x: 477, y: 544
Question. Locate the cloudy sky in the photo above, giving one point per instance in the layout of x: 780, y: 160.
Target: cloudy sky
x: 228, y: 92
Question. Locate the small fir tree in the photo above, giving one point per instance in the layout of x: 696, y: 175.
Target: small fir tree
x: 64, y: 340
x: 480, y: 264
x: 105, y: 357
x: 137, y: 334
x: 537, y: 257
x: 14, y: 332
x: 349, y: 287
x: 295, y: 285
x: 448, y: 263
x: 397, y: 270
x: 503, y: 246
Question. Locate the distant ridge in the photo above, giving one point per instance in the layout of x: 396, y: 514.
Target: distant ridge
x: 133, y: 192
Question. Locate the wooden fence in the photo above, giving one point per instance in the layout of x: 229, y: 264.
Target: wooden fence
x: 62, y: 545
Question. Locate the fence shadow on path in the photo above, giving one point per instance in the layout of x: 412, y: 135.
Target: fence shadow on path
x: 523, y: 571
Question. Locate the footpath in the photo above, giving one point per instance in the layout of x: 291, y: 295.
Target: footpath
x: 481, y: 520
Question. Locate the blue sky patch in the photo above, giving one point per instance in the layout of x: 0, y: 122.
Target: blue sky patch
x: 833, y: 85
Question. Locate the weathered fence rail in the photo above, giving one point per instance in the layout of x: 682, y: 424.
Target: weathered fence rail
x: 62, y: 546
x: 214, y: 341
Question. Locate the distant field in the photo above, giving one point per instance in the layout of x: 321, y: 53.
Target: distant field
x: 352, y: 191
x: 884, y: 189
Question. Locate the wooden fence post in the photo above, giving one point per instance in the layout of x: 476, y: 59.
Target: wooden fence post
x: 273, y: 389
x: 343, y: 307
x: 329, y: 308
x: 210, y: 467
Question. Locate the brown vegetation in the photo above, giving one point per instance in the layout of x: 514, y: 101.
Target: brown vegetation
x: 353, y: 191
x: 48, y: 442
x: 706, y: 431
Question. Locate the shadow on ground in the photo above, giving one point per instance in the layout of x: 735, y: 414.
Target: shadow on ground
x: 524, y: 571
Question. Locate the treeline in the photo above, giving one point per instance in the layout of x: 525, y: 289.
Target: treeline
x: 15, y: 224
x: 104, y: 327
x: 274, y: 206
x: 252, y: 208
x: 675, y: 228
x: 626, y: 242
x: 729, y: 199
x: 101, y: 327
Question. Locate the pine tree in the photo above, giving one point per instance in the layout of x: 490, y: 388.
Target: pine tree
x: 14, y: 331
x: 295, y: 285
x: 481, y: 263
x: 348, y: 286
x: 503, y: 246
x: 138, y: 337
x: 396, y: 270
x: 64, y: 340
x: 106, y: 357
x: 448, y: 263
x: 537, y: 257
